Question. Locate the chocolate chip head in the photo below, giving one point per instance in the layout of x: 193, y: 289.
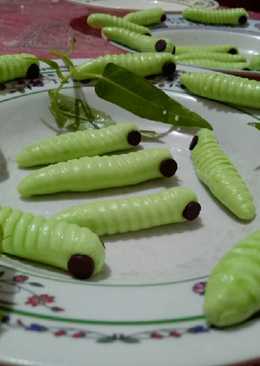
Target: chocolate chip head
x: 134, y: 138
x: 163, y: 18
x: 33, y: 71
x: 233, y: 51
x: 242, y: 20
x: 81, y: 266
x: 160, y: 45
x: 194, y: 142
x: 191, y: 211
x: 168, y: 69
x: 168, y: 167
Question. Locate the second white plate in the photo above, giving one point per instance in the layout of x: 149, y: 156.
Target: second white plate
x: 168, y: 5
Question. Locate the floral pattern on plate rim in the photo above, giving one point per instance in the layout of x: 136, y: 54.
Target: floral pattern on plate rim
x: 35, y: 297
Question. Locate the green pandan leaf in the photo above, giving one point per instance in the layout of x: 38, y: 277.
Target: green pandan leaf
x: 139, y: 96
x: 76, y: 116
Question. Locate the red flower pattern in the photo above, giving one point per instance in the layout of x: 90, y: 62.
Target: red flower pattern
x: 60, y: 333
x: 156, y: 335
x: 42, y: 299
x: 20, y: 278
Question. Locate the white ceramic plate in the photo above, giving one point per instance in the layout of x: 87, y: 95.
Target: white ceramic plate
x: 146, y: 307
x: 167, y: 5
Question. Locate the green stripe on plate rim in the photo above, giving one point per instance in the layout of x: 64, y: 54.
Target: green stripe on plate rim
x: 11, y: 310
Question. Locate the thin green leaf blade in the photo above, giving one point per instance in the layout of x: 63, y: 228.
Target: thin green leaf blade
x: 114, y: 88
x: 139, y: 96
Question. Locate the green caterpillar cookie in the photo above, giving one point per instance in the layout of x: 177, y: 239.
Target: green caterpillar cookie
x: 18, y: 66
x: 74, y: 145
x: 99, y: 172
x: 217, y: 172
x: 147, y: 17
x: 211, y: 56
x: 212, y: 48
x: 138, y: 42
x: 215, y: 64
x: 233, y: 289
x: 59, y: 244
x: 223, y: 88
x: 135, y: 213
x: 100, y: 20
x: 236, y: 16
x: 143, y: 64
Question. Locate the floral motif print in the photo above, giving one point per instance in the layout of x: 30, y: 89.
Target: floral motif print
x: 98, y: 337
x: 36, y: 300
x: 199, y: 287
x: 22, y: 284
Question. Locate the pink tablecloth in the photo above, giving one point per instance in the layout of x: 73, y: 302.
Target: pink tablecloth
x: 39, y: 25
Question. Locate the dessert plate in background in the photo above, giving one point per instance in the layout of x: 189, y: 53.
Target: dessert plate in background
x: 248, y: 44
x: 168, y: 5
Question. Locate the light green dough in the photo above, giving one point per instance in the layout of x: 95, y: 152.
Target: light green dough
x: 100, y: 20
x: 233, y: 289
x: 77, y: 144
x: 133, y: 213
x: 254, y: 63
x: 98, y: 172
x: 15, y: 66
x: 147, y: 17
x: 223, y: 88
x: 143, y: 64
x: 211, y: 56
x: 215, y: 64
x: 138, y: 42
x: 48, y: 241
x: 222, y: 48
x: 235, y: 16
x: 218, y: 173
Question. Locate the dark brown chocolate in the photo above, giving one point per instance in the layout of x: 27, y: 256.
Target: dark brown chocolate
x: 194, y: 142
x: 163, y: 18
x: 33, y: 72
x: 191, y: 211
x: 242, y: 20
x: 81, y: 266
x: 168, y: 167
x: 134, y: 138
x: 160, y: 45
x: 233, y: 51
x: 168, y: 69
